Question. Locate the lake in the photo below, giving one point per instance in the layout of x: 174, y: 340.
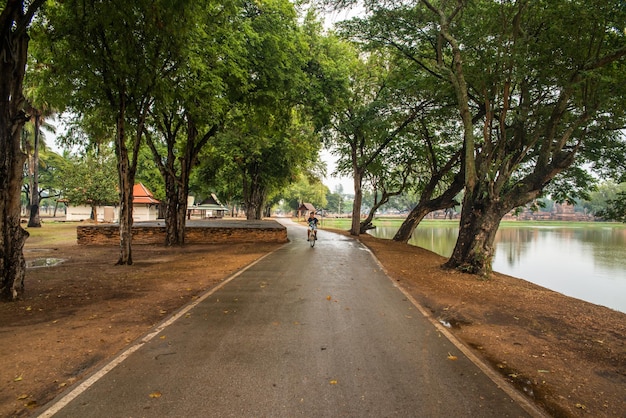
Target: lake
x: 585, y: 262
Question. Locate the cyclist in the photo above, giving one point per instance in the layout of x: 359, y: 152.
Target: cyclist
x: 312, y: 221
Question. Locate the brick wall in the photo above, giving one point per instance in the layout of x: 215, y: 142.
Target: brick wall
x: 150, y: 234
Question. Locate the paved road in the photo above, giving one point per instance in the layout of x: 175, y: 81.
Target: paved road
x: 313, y: 332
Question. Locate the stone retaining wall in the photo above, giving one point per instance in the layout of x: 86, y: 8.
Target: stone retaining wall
x: 208, y: 232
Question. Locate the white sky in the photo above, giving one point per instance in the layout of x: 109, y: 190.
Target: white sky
x: 333, y: 182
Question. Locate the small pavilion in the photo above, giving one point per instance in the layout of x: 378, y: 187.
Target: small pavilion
x: 304, y: 209
x: 209, y: 208
x: 145, y: 206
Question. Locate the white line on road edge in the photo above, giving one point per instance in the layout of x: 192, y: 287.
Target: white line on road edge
x: 524, y: 403
x: 86, y: 384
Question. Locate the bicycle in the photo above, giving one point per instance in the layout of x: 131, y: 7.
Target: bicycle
x: 312, y: 234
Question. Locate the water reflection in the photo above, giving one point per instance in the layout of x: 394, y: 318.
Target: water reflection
x: 44, y: 262
x: 588, y: 263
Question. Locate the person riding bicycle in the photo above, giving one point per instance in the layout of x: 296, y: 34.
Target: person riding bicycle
x: 312, y: 221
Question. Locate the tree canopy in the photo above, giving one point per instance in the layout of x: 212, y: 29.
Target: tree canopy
x: 533, y: 105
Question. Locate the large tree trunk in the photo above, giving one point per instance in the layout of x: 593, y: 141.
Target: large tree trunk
x: 176, y: 217
x: 247, y: 198
x: 13, y: 53
x: 126, y: 180
x: 480, y: 219
x: 427, y: 205
x: 177, y: 185
x: 188, y: 160
x: 366, y: 224
x: 12, y: 263
x: 181, y: 219
x: 259, y: 209
x: 94, y: 213
x: 253, y: 195
x: 176, y: 212
x: 358, y: 200
x: 34, y: 221
x: 171, y: 210
x: 176, y: 192
x: 413, y: 219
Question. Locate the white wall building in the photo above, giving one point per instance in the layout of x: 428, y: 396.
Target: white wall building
x: 145, y: 208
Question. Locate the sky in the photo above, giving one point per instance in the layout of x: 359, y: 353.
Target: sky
x: 331, y: 181
x: 331, y: 161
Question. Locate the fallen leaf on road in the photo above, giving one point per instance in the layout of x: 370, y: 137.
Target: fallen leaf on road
x: 22, y: 397
x: 155, y: 394
x: 451, y: 357
x: 333, y: 382
x: 17, y: 379
x: 328, y: 297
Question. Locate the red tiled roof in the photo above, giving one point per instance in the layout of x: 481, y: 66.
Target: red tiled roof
x: 142, y: 195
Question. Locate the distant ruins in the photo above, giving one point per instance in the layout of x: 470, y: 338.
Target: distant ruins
x: 560, y: 212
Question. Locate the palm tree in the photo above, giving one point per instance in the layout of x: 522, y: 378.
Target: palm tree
x: 38, y: 114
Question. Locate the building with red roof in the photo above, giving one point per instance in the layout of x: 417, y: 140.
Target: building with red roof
x: 145, y: 208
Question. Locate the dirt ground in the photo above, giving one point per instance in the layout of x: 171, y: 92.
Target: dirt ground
x: 566, y: 355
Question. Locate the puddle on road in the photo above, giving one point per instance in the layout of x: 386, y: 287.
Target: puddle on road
x: 44, y: 262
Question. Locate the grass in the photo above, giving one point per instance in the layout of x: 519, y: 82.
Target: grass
x: 51, y: 233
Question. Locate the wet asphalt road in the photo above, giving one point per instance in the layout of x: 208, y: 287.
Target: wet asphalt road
x: 312, y: 332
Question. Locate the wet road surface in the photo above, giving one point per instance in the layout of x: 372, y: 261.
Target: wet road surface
x: 312, y: 332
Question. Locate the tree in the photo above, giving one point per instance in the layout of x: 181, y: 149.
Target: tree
x: 182, y: 124
x: 90, y: 180
x: 269, y: 151
x: 374, y: 115
x: 15, y: 19
x: 439, y: 175
x: 334, y: 202
x: 616, y: 209
x: 119, y: 52
x: 307, y: 188
x: 269, y: 133
x: 528, y: 137
x: 39, y: 113
x: 218, y: 173
x: 533, y: 104
x: 51, y: 175
x: 598, y: 198
x: 389, y: 176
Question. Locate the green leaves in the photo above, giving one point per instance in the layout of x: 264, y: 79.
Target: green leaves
x: 616, y: 209
x: 91, y: 180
